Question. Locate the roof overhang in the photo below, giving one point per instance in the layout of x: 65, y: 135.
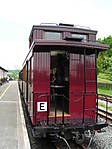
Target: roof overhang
x: 77, y: 47
x: 72, y: 44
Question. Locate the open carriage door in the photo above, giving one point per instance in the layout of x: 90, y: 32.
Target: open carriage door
x: 41, y: 86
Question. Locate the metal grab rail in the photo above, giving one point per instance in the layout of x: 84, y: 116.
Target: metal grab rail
x: 39, y: 95
x: 63, y: 110
x: 55, y: 89
x: 45, y: 94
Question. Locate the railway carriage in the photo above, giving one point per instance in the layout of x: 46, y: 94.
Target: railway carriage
x: 59, y: 81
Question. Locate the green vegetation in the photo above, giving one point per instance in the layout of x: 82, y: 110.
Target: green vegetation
x: 13, y: 74
x: 105, y: 91
x: 104, y: 66
x: 100, y: 80
x: 104, y: 62
x: 103, y: 78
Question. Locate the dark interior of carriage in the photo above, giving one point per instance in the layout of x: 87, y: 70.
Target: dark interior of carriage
x: 59, y: 82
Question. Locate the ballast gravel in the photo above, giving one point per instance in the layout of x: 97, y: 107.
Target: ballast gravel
x: 103, y: 140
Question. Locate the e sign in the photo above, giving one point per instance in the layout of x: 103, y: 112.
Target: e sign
x: 41, y: 106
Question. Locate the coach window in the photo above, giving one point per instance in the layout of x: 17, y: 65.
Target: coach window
x: 52, y: 35
x: 80, y: 36
x: 32, y: 71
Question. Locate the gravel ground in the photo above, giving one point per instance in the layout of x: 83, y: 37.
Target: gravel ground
x: 103, y: 140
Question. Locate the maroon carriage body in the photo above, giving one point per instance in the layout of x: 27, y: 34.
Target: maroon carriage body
x: 77, y: 84
x: 82, y: 71
x: 61, y: 89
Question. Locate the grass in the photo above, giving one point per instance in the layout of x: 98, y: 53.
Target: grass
x: 103, y: 78
x: 105, y: 91
x: 100, y: 80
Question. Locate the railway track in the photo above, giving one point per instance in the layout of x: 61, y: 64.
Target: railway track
x: 72, y: 145
x: 105, y: 115
x: 105, y: 97
x: 104, y: 112
x: 57, y: 145
x: 47, y: 143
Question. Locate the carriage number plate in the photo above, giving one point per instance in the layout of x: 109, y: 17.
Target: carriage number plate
x: 41, y: 106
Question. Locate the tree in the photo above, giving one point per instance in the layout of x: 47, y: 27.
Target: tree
x: 104, y: 62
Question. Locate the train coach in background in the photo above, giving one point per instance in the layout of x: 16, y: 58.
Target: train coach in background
x: 59, y: 81
x: 3, y: 75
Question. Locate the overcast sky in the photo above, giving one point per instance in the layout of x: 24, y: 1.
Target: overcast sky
x: 18, y: 16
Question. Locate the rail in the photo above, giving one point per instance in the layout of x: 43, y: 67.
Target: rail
x: 105, y: 112
x: 38, y: 96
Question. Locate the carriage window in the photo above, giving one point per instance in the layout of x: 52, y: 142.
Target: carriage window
x: 52, y: 36
x: 80, y: 36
